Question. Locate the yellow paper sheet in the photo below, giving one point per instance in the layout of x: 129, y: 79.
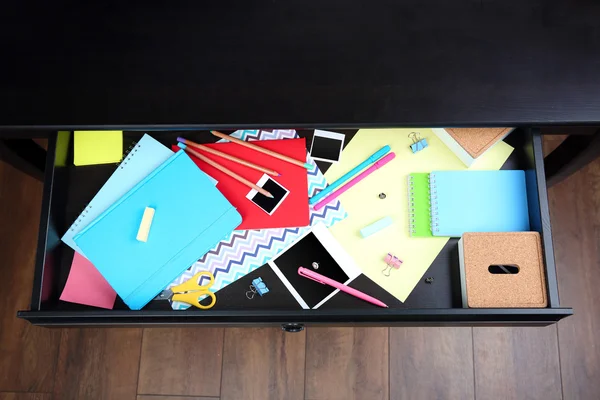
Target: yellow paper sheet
x: 97, y: 147
x: 364, y: 206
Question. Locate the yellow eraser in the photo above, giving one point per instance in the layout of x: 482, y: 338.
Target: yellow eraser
x: 144, y: 229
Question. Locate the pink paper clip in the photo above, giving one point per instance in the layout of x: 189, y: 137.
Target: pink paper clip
x: 392, y: 262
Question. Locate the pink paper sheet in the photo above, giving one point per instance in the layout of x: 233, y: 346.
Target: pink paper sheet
x: 85, y: 285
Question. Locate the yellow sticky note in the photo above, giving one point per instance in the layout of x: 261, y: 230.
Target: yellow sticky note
x: 97, y: 147
x: 365, y: 207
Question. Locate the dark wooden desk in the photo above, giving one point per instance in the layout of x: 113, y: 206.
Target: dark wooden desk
x: 329, y: 64
x: 296, y: 64
x: 289, y: 63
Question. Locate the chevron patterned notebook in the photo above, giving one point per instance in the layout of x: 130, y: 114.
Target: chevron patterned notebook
x: 419, y: 217
x: 247, y: 250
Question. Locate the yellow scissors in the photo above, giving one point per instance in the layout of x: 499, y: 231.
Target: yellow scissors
x: 190, y: 291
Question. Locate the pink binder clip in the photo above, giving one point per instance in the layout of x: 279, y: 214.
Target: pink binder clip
x: 392, y: 262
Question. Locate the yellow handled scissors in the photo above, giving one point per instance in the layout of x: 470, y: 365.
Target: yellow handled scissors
x: 190, y: 291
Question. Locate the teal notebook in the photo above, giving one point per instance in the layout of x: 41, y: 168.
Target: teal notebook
x: 191, y: 217
x: 144, y: 158
x: 478, y: 201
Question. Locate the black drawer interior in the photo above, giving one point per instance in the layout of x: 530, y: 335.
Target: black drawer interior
x: 68, y: 189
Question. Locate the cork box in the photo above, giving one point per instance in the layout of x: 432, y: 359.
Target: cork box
x: 477, y: 140
x: 470, y: 143
x: 502, y: 270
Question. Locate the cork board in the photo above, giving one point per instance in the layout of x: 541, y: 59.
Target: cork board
x: 476, y: 141
x: 525, y: 289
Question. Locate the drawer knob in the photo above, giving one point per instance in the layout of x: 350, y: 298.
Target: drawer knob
x: 292, y: 328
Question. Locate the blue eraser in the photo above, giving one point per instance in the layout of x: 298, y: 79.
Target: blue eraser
x: 181, y: 145
x: 376, y: 227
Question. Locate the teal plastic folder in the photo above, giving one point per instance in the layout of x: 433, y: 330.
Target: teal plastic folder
x: 191, y: 217
x: 478, y: 201
x: 144, y: 158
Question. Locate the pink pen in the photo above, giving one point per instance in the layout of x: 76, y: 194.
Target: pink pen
x: 378, y: 164
x: 307, y: 273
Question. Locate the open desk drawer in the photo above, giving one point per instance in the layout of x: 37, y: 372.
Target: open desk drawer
x: 67, y: 189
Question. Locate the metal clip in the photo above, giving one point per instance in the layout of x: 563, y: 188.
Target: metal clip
x: 392, y: 262
x: 418, y: 143
x: 258, y: 286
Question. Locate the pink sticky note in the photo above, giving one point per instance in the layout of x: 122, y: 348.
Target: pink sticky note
x: 85, y: 285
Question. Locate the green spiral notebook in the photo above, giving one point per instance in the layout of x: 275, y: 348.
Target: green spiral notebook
x: 419, y: 217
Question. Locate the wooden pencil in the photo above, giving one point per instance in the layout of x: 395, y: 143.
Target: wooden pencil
x: 228, y: 172
x: 228, y: 156
x: 266, y: 151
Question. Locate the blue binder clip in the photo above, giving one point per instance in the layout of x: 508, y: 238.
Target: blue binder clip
x: 418, y: 143
x: 258, y: 286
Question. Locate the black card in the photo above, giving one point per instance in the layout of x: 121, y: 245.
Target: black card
x: 316, y: 247
x: 265, y: 203
x: 327, y: 146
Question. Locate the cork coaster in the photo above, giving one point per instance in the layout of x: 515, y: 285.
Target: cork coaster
x: 526, y: 288
x: 476, y: 141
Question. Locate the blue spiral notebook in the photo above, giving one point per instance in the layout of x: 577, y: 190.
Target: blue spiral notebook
x: 191, y: 217
x: 478, y: 201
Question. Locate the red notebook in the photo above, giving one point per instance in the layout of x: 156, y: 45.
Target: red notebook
x: 293, y: 210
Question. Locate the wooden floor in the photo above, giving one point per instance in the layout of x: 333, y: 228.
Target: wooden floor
x: 556, y: 362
